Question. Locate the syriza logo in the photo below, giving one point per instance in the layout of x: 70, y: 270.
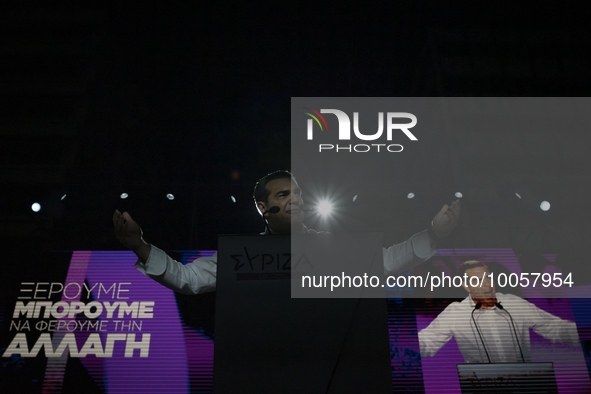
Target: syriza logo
x: 396, y: 123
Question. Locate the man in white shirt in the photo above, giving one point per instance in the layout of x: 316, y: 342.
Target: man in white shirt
x: 278, y: 199
x: 482, y: 326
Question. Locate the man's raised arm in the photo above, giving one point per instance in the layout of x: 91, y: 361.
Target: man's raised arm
x: 423, y: 245
x: 129, y: 233
x: 196, y: 277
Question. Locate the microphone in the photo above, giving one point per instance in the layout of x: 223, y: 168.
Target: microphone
x: 478, y: 306
x: 273, y: 209
x: 498, y: 305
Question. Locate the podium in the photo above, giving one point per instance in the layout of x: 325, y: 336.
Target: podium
x: 267, y: 342
x: 507, y: 378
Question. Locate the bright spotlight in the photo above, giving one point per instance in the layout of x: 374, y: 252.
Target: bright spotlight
x: 124, y: 196
x: 459, y: 195
x: 63, y: 197
x: 233, y: 199
x: 410, y: 195
x: 324, y: 208
x: 545, y: 206
x: 36, y: 207
x: 170, y: 196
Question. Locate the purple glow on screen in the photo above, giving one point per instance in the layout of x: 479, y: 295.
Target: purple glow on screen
x: 165, y: 369
x: 181, y: 358
x: 571, y: 369
x: 56, y: 367
x: 177, y: 354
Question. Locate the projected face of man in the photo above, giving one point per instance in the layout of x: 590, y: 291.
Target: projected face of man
x: 287, y: 195
x: 484, y: 292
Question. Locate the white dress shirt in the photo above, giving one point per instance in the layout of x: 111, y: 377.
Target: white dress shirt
x: 199, y: 276
x: 498, y: 336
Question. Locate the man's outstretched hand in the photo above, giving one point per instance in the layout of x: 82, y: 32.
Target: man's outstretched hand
x: 129, y: 233
x: 446, y: 220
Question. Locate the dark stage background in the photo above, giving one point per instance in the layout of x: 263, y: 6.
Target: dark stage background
x: 190, y: 99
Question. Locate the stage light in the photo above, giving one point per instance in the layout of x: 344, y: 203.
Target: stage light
x: 63, y: 197
x: 36, y: 207
x: 545, y: 206
x: 124, y: 196
x: 459, y: 195
x: 410, y: 195
x: 324, y: 208
x: 233, y: 199
x: 170, y: 196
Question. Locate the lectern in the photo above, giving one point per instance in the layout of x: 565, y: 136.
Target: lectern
x: 507, y: 378
x: 268, y: 342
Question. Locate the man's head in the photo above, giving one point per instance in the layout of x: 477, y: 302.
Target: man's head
x: 279, y: 189
x: 480, y: 287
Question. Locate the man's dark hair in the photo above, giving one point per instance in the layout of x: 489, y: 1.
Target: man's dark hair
x: 261, y: 193
x: 469, y: 265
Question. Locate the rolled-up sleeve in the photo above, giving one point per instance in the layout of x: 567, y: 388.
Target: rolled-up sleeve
x: 409, y: 253
x: 196, y: 277
x: 551, y: 327
x: 436, y: 335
